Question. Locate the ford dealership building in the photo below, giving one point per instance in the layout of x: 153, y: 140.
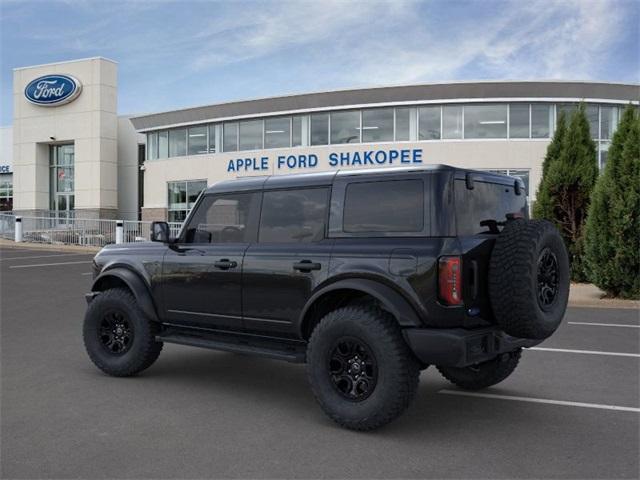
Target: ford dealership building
x: 69, y: 151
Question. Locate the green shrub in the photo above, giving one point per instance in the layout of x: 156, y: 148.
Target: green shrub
x: 543, y: 206
x: 612, y: 236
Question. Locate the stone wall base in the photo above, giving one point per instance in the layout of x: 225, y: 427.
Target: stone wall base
x: 154, y: 214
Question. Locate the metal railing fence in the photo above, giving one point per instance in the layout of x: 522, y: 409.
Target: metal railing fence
x: 78, y: 231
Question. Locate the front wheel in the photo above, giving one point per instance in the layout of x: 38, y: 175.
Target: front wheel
x: 118, y: 337
x: 483, y: 375
x: 360, y: 368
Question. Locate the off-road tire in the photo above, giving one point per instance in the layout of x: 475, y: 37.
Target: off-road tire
x: 397, y: 369
x: 483, y: 375
x: 514, y: 284
x: 143, y: 350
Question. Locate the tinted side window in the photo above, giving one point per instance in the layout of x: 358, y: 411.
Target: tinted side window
x: 487, y: 201
x: 224, y: 219
x: 389, y: 206
x: 294, y: 216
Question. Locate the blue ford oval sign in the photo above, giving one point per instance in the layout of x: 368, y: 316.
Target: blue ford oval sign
x: 53, y: 90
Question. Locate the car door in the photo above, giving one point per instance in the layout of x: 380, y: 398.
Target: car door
x: 202, y: 272
x: 289, y: 260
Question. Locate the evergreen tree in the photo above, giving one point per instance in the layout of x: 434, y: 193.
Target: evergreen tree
x: 543, y: 207
x: 570, y: 180
x: 612, y: 235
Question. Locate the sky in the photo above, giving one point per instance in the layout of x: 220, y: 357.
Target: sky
x: 176, y: 54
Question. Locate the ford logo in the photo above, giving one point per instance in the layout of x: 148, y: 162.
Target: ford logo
x: 53, y: 90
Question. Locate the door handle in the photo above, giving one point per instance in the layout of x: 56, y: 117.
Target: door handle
x: 225, y: 264
x: 306, y: 266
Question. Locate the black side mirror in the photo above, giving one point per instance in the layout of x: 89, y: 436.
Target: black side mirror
x: 160, y: 232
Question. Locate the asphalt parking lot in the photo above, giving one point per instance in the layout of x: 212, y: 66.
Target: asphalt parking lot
x: 204, y: 414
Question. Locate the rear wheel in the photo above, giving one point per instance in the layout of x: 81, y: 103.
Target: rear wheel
x: 360, y: 368
x: 118, y: 337
x: 483, y: 375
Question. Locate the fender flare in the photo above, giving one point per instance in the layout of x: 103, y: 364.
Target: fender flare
x: 137, y: 286
x: 392, y: 301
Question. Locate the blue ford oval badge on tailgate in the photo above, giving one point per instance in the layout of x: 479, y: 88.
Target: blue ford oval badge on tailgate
x: 52, y: 90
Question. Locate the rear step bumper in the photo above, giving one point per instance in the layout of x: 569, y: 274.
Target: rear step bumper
x: 459, y: 347
x: 277, y: 349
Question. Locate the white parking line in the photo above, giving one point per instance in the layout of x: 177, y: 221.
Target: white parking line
x: 588, y: 352
x: 540, y: 400
x: 604, y: 324
x: 87, y: 273
x: 48, y: 264
x: 44, y: 256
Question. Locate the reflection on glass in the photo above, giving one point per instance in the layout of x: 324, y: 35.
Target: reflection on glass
x: 197, y: 140
x: 377, y: 125
x: 251, y: 135
x: 485, y: 121
x: 541, y: 120
x: 592, y: 117
x: 429, y: 123
x: 452, y: 121
x: 163, y: 144
x: 345, y: 127
x: 608, y: 122
x: 212, y: 138
x: 403, y: 124
x: 320, y: 129
x: 296, y: 131
x: 230, y: 137
x: 277, y: 132
x: 178, y: 142
x: 152, y: 146
x: 519, y: 120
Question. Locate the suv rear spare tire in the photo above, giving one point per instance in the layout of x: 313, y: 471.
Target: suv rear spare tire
x: 529, y: 279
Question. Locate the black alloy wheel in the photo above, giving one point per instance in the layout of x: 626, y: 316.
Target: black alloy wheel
x: 353, y: 369
x: 115, y: 332
x: 547, y: 278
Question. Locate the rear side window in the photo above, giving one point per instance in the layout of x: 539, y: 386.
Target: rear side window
x: 390, y: 206
x: 294, y: 216
x: 487, y: 201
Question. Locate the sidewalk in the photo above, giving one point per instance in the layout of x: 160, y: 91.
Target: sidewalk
x: 46, y: 246
x: 588, y: 295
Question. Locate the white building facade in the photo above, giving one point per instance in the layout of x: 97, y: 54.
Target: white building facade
x: 78, y: 157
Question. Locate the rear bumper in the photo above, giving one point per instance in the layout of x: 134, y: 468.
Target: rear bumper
x: 459, y: 347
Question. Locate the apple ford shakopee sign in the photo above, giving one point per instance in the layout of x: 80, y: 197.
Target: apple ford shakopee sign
x: 53, y: 90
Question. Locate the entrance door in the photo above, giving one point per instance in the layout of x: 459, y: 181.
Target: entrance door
x: 62, y: 180
x: 202, y: 272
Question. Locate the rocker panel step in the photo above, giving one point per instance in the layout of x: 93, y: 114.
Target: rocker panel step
x: 295, y: 353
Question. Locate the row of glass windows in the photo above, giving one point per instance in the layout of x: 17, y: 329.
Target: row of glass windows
x: 6, y: 191
x: 434, y: 122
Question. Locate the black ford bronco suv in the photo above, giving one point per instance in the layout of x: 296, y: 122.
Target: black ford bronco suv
x: 367, y: 276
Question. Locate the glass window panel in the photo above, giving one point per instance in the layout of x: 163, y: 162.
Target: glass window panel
x: 541, y: 120
x: 568, y: 109
x: 177, y: 196
x: 403, y: 124
x: 296, y: 131
x: 64, y: 177
x: 345, y: 127
x: 377, y: 125
x: 152, y: 146
x: 604, y: 153
x: 197, y: 140
x: 277, y: 132
x: 485, y: 121
x: 212, y: 138
x: 592, y: 117
x: 429, y: 123
x: 193, y: 191
x: 224, y: 219
x: 452, y: 121
x: 320, y: 129
x: 390, y: 206
x: 178, y: 142
x: 608, y: 122
x: 519, y: 120
x: 230, y: 137
x: 294, y: 216
x: 177, y: 215
x: 163, y: 144
x: 251, y: 135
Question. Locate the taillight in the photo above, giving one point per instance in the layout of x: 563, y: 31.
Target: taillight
x: 450, y: 280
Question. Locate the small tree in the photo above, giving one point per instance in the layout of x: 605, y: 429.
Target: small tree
x: 543, y: 207
x: 569, y: 182
x: 612, y: 234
